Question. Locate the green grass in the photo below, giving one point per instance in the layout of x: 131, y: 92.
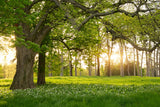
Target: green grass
x: 85, y: 92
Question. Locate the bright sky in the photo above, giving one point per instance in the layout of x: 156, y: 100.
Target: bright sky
x: 8, y: 54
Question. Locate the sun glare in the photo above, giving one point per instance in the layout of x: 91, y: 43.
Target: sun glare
x: 115, y: 58
x: 8, y: 54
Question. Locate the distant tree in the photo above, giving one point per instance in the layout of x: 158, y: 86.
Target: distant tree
x: 1, y: 72
x: 142, y: 64
x: 127, y: 61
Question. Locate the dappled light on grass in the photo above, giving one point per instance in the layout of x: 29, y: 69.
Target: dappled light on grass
x: 85, y: 91
x: 104, y: 80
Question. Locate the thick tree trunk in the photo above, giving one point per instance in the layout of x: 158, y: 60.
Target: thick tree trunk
x: 24, y: 70
x: 41, y: 69
x: 98, y: 66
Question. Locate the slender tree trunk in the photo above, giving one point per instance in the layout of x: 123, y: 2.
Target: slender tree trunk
x: 134, y: 62
x: 98, y: 55
x: 4, y: 67
x: 154, y: 64
x: 4, y: 70
x: 137, y: 62
x: 61, y: 64
x: 106, y: 73
x: 109, y: 66
x: 159, y: 58
x: 127, y: 61
x: 89, y: 68
x: 109, y: 53
x: 98, y: 66
x: 95, y: 66
x: 121, y: 60
x: 142, y: 65
x: 24, y: 71
x: 151, y: 65
x: 70, y: 67
x: 70, y: 64
x: 75, y: 65
x: 157, y: 73
x: 148, y: 64
x: 80, y: 73
x: 41, y: 69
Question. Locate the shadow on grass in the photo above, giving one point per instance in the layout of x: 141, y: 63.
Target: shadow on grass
x: 3, y: 86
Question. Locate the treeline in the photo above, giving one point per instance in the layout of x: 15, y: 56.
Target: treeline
x: 7, y: 71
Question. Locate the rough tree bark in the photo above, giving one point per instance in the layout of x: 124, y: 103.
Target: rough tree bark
x: 41, y: 69
x: 24, y: 69
x: 25, y: 58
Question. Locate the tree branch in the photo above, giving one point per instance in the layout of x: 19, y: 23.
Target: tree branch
x: 39, y: 24
x: 118, y: 34
x: 27, y: 9
x: 40, y: 36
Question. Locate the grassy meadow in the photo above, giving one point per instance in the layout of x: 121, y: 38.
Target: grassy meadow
x: 85, y: 92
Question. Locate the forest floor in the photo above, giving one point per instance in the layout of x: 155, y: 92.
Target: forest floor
x: 85, y: 92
